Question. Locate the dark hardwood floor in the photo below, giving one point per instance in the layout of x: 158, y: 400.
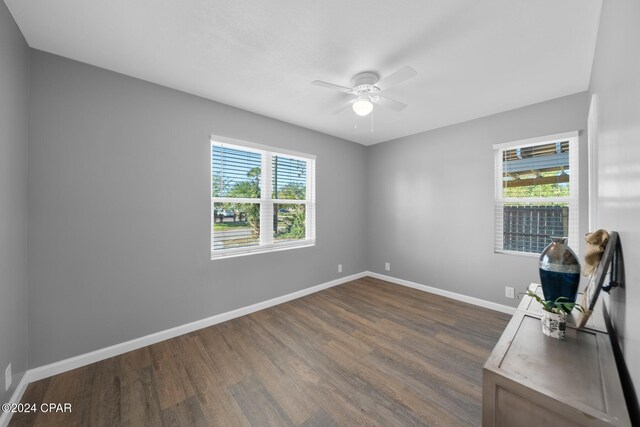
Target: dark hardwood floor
x: 364, y: 353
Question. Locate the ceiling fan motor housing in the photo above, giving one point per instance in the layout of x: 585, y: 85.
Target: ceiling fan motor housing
x: 364, y: 82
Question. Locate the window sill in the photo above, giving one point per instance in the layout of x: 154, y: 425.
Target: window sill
x: 233, y: 253
x: 525, y: 254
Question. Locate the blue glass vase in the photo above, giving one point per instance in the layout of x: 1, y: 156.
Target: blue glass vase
x: 559, y: 271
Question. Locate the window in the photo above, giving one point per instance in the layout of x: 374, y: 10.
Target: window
x: 262, y: 199
x: 536, y: 193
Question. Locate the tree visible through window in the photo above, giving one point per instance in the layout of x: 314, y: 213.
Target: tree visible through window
x: 261, y: 200
x: 536, y: 193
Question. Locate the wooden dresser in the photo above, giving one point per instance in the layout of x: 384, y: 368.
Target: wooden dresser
x: 534, y: 380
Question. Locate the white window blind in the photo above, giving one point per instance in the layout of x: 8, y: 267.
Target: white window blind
x: 262, y: 199
x: 536, y: 193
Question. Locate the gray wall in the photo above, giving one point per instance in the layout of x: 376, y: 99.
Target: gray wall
x: 616, y: 82
x: 14, y: 94
x: 119, y: 210
x: 119, y: 207
x: 431, y: 212
x: 119, y: 214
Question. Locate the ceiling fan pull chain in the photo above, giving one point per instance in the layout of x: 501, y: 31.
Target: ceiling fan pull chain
x: 372, y: 121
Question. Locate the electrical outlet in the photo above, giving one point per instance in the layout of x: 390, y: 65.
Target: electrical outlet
x: 509, y: 292
x: 387, y: 266
x: 339, y: 268
x: 7, y: 377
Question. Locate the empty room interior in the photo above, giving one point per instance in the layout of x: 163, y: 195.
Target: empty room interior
x: 298, y: 213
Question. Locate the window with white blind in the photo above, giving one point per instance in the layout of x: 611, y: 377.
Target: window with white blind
x: 262, y: 198
x: 536, y: 193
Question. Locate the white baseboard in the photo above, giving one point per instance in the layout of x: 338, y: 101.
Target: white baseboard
x: 46, y: 371
x: 117, y: 349
x: 55, y: 368
x: 453, y: 295
x: 5, y: 417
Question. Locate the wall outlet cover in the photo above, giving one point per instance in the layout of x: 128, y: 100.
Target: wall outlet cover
x: 387, y: 266
x: 509, y: 292
x: 7, y: 377
x: 339, y: 268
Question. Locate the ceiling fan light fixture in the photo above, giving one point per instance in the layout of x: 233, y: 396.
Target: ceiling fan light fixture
x: 363, y: 106
x: 368, y: 88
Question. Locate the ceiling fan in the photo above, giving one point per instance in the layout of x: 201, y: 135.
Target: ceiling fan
x: 367, y: 88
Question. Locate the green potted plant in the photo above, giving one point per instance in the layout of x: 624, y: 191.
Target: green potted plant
x: 554, y: 319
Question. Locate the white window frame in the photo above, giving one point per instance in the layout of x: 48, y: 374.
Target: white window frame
x: 592, y: 146
x: 267, y: 243
x: 573, y: 200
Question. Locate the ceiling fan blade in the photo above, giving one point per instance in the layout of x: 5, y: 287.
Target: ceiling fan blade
x: 331, y: 86
x: 403, y: 74
x: 343, y: 107
x: 390, y: 103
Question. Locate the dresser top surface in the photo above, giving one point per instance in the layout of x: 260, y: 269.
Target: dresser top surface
x: 579, y: 371
x: 566, y: 367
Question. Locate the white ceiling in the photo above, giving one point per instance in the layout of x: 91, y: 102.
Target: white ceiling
x: 473, y: 58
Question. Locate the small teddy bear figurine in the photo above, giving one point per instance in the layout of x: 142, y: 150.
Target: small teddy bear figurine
x: 596, y: 243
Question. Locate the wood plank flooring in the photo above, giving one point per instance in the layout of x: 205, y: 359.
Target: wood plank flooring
x: 364, y: 353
